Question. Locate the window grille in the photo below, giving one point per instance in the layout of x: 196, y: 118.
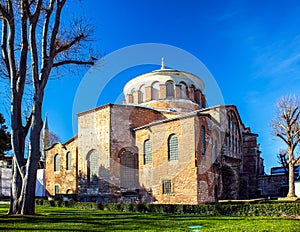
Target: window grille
x: 147, y: 152
x: 167, y: 186
x: 173, y: 148
x: 129, y: 178
x: 93, y: 169
x: 170, y: 89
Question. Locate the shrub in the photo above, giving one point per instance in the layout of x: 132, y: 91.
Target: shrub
x: 270, y: 208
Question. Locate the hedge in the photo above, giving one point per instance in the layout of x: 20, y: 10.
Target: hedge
x: 269, y: 208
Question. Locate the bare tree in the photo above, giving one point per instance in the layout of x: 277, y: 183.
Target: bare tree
x: 283, y: 160
x: 286, y: 127
x: 33, y: 43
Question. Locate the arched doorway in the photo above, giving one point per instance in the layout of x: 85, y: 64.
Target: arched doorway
x: 230, y: 182
x: 129, y: 169
x: 93, y: 169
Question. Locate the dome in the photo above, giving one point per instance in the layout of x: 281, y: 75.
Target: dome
x: 166, y: 89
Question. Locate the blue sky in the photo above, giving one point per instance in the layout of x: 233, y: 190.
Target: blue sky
x: 252, y: 48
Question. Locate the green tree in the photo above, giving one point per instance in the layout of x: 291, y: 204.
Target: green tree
x: 34, y: 42
x: 5, y: 140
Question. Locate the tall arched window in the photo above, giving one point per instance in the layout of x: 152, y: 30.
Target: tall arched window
x: 183, y: 87
x: 203, y: 145
x: 147, y: 152
x: 57, y: 163
x: 68, y: 161
x: 215, y: 151
x: 229, y: 122
x: 93, y: 168
x: 173, y: 147
x: 170, y: 88
x: 155, y: 90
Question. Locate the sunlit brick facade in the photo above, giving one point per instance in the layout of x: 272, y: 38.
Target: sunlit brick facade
x: 163, y: 145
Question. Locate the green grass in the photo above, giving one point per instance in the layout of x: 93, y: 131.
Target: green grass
x: 69, y: 219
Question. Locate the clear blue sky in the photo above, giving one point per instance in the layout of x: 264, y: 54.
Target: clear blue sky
x: 252, y: 48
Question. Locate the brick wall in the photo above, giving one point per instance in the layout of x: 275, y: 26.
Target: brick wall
x: 181, y: 172
x: 65, y: 179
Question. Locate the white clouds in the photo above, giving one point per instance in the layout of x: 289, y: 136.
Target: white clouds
x: 280, y: 59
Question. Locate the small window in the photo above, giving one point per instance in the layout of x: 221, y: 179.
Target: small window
x: 173, y: 147
x: 68, y: 163
x: 167, y: 186
x: 56, y: 189
x: 147, y: 152
x: 57, y: 163
x: 215, y: 151
x: 203, y: 145
x: 170, y: 89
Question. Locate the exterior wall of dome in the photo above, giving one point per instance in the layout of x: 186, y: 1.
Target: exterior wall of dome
x: 176, y: 105
x: 166, y: 88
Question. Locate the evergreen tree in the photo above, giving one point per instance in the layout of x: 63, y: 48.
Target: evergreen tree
x: 5, y: 144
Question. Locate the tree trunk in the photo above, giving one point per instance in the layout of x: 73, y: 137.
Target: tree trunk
x: 18, y: 145
x: 15, y: 189
x: 23, y: 189
x: 291, y: 192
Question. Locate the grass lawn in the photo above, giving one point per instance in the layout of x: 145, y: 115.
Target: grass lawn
x: 69, y: 219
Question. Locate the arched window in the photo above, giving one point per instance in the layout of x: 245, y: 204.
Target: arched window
x: 57, y: 163
x: 56, y: 189
x: 229, y: 122
x: 170, y: 88
x: 93, y: 168
x: 155, y: 90
x: 147, y: 152
x: 173, y: 147
x: 129, y: 169
x: 203, y: 145
x: 215, y: 151
x: 68, y: 161
x: 142, y: 93
x: 132, y: 94
x: 183, y: 87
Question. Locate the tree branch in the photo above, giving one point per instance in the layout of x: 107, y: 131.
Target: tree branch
x: 27, y: 124
x: 67, y: 46
x: 4, y: 45
x: 4, y: 12
x: 24, y: 48
x: 11, y: 44
x: 47, y: 68
x: 284, y: 139
x: 33, y: 48
x: 60, y: 63
x: 55, y: 28
x: 45, y: 33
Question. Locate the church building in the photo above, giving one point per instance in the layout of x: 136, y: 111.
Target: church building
x: 162, y: 145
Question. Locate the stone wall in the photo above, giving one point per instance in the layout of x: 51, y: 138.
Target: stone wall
x: 66, y: 180
x: 181, y: 172
x: 272, y: 186
x: 250, y: 164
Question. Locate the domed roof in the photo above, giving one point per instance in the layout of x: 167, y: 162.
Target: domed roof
x: 162, y: 76
x: 166, y: 86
